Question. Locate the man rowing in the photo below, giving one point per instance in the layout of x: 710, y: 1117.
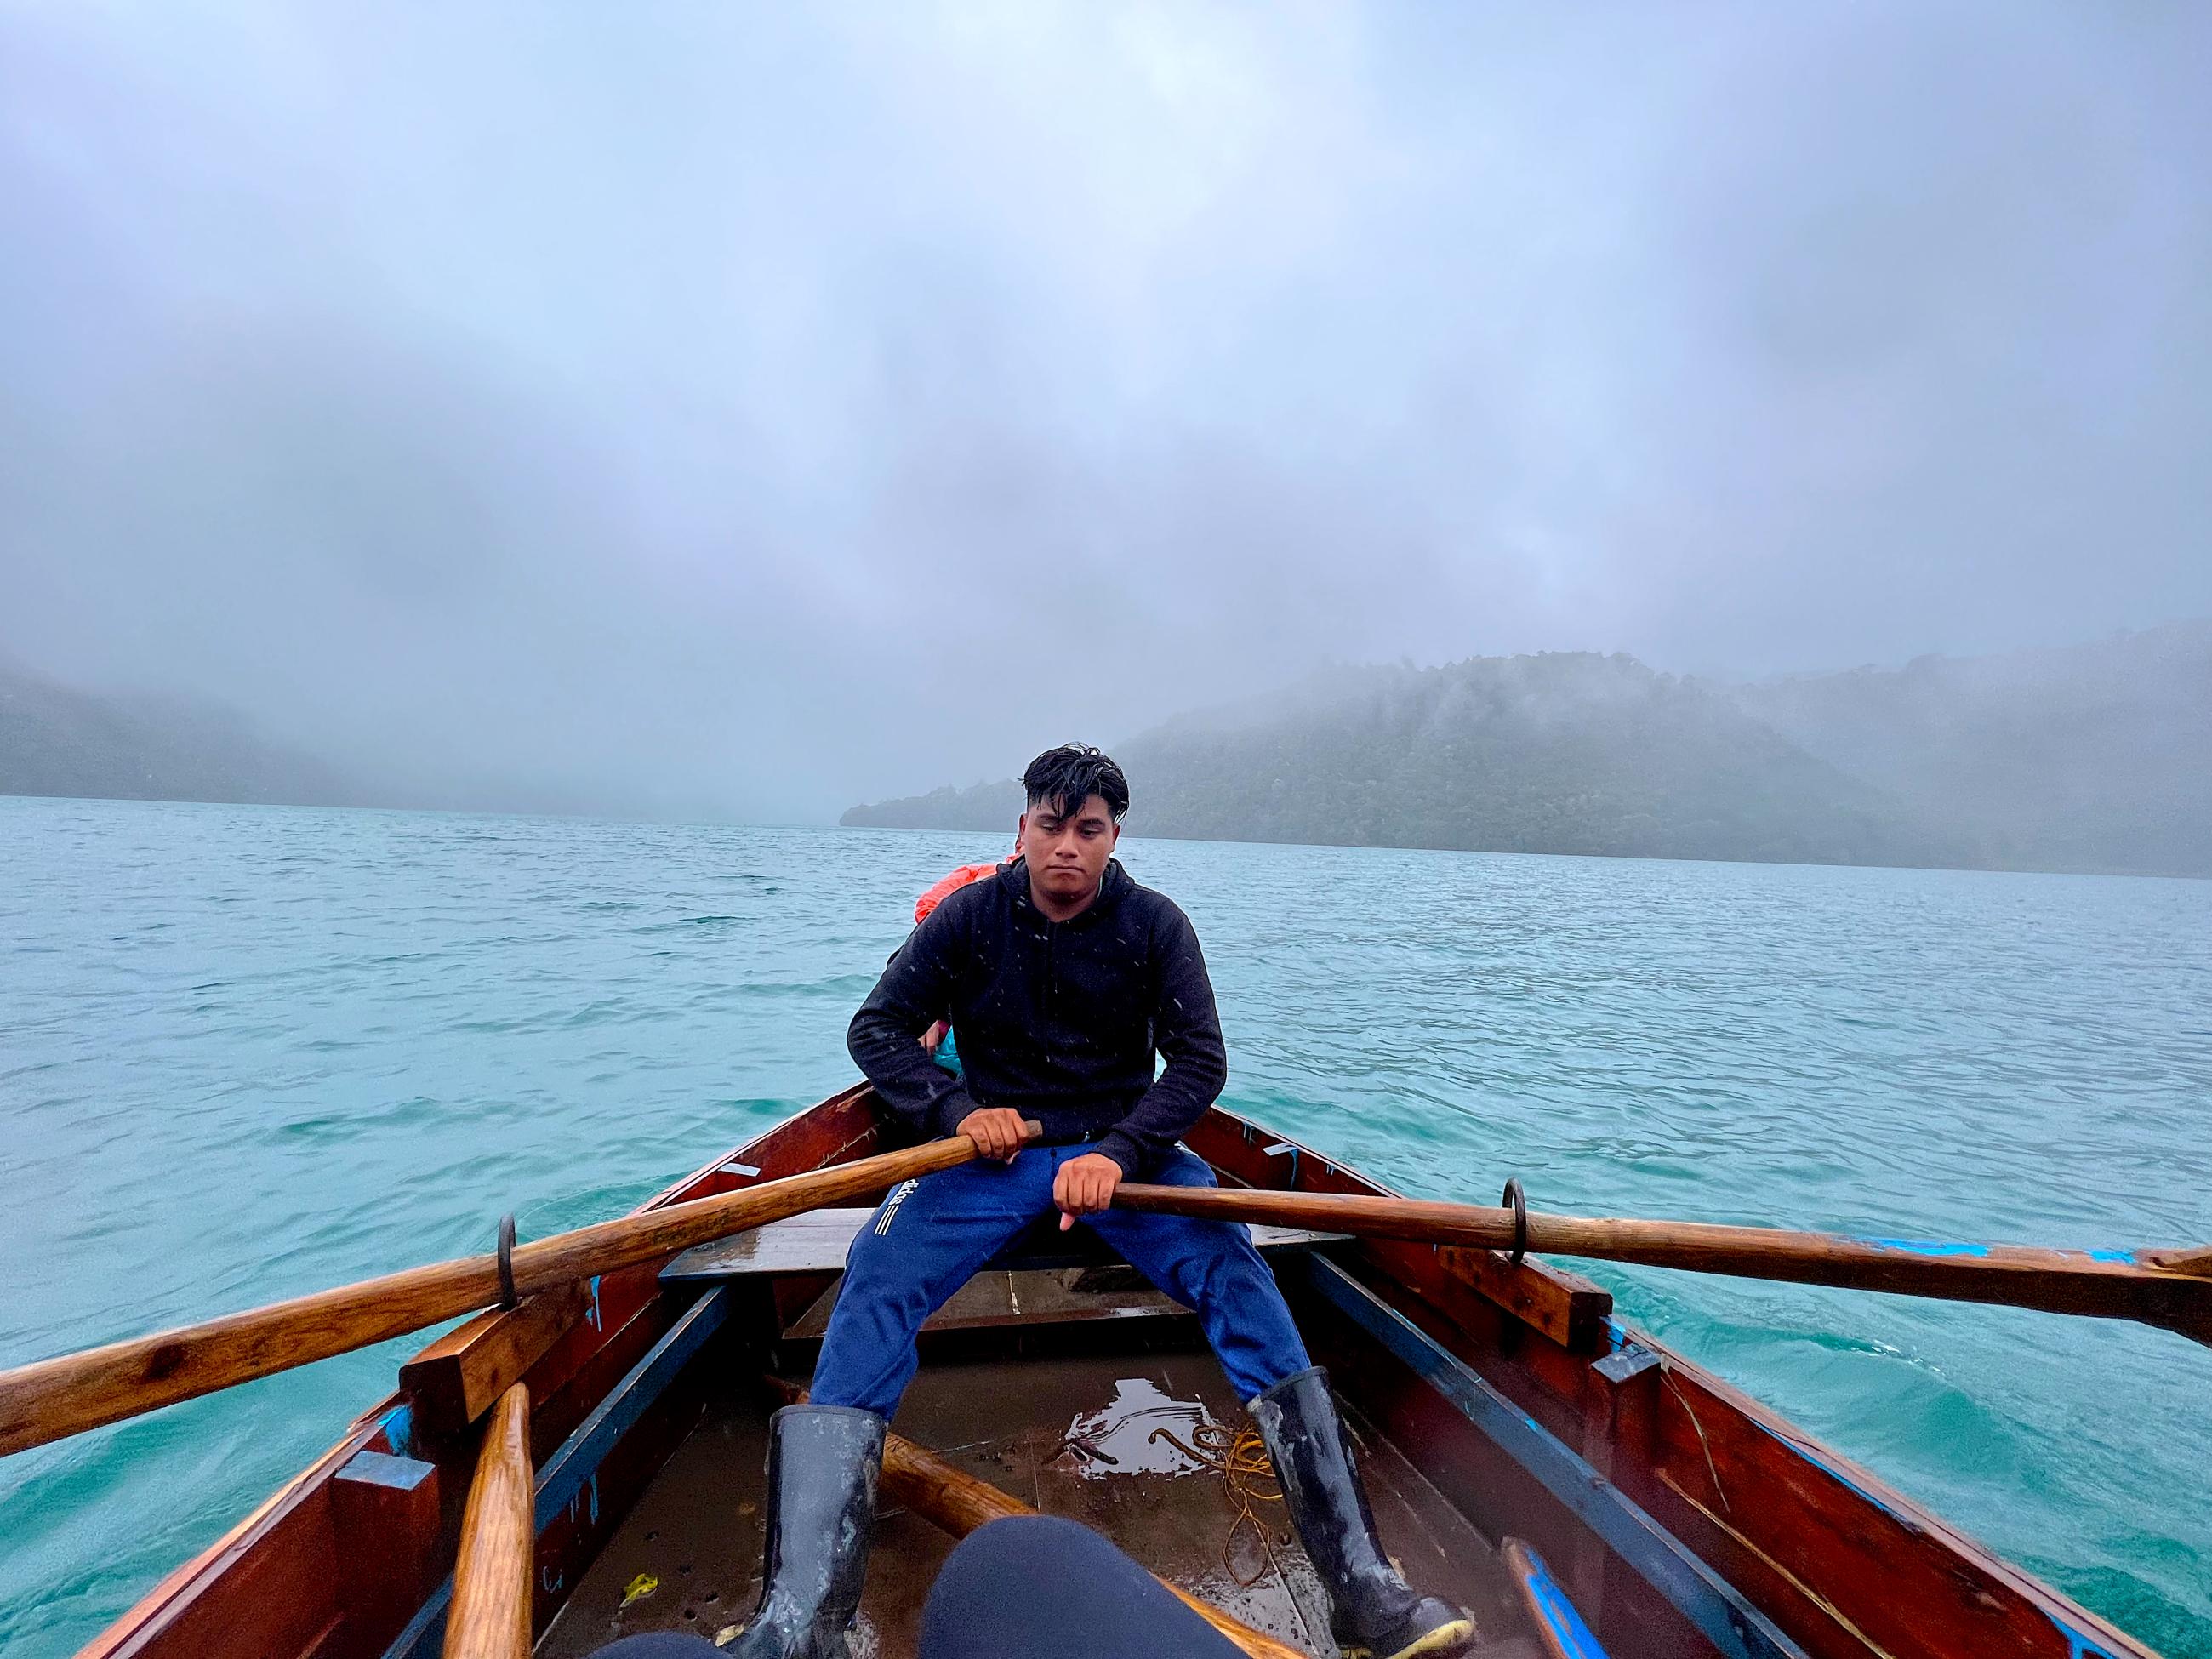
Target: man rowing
x: 1063, y: 979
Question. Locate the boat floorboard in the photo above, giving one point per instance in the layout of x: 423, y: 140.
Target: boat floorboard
x: 697, y: 1530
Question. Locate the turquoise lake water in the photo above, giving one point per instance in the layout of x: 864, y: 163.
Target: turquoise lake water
x: 246, y: 1052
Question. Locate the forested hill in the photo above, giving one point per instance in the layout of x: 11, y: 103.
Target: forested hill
x: 2098, y: 758
x: 57, y: 741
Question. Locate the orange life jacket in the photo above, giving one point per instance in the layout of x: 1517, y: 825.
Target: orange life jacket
x: 951, y: 885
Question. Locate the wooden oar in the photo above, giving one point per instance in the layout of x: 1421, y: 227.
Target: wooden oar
x: 2196, y: 1263
x: 2109, y: 1283
x: 489, y: 1618
x: 960, y: 1503
x: 54, y: 1398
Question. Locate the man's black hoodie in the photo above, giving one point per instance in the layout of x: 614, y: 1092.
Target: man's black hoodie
x: 1057, y: 1020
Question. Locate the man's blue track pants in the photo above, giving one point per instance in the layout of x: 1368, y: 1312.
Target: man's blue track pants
x: 929, y: 1237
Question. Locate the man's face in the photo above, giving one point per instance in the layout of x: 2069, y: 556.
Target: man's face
x: 1067, y: 852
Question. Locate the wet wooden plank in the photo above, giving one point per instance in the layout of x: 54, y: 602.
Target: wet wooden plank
x: 695, y: 1532
x: 800, y: 1243
x: 994, y: 1299
x: 820, y: 1239
x: 1176, y: 1517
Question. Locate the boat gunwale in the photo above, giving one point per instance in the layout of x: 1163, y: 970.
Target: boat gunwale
x: 141, y: 1626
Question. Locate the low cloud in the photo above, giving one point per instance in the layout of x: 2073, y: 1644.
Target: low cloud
x: 751, y: 413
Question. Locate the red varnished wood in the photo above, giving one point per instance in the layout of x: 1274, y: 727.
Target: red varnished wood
x: 279, y: 1601
x: 1818, y: 1560
x: 386, y: 1520
x: 291, y: 1529
x: 1791, y: 1520
x: 455, y: 1380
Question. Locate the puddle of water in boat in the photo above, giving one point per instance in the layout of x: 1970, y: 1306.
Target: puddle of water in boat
x: 1127, y: 1429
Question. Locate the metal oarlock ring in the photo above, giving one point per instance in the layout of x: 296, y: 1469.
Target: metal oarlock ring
x: 1519, y: 1205
x: 506, y: 1296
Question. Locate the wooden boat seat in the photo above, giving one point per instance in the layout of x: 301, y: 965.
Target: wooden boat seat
x: 816, y: 1243
x: 1045, y: 1276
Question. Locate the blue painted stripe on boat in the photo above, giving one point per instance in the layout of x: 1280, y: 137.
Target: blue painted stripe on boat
x: 570, y: 1469
x: 573, y: 1472
x: 2079, y: 1646
x: 1558, y: 1613
x: 425, y: 1635
x: 1708, y: 1601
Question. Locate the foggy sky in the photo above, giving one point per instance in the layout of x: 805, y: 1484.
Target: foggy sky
x: 750, y: 410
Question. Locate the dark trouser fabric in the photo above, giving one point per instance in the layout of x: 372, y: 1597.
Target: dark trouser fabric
x: 1038, y: 1587
x: 928, y: 1238
x: 660, y: 1644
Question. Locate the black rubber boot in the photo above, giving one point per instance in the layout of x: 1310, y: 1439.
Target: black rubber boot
x: 1373, y: 1613
x: 822, y: 1462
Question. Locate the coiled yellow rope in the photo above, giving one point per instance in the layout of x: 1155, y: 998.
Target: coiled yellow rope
x: 1240, y: 1456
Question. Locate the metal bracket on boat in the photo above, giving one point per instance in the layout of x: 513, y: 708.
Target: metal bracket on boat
x: 506, y: 1296
x: 1519, y: 1205
x: 1618, y: 1367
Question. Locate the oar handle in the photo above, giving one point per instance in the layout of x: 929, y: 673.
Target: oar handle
x: 2108, y: 1283
x: 2196, y: 1264
x: 489, y: 1617
x: 51, y: 1399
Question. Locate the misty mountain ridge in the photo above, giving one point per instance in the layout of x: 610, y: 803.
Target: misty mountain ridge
x: 2090, y: 757
x: 2096, y: 757
x: 56, y: 740
x: 63, y: 740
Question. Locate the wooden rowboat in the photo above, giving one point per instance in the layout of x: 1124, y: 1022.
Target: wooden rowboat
x: 1525, y: 1452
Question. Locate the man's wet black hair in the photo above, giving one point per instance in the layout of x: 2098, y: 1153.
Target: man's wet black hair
x: 1063, y: 778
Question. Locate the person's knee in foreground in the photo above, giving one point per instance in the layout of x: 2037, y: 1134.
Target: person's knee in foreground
x: 1033, y: 1587
x: 1066, y: 980
x: 1038, y: 1587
